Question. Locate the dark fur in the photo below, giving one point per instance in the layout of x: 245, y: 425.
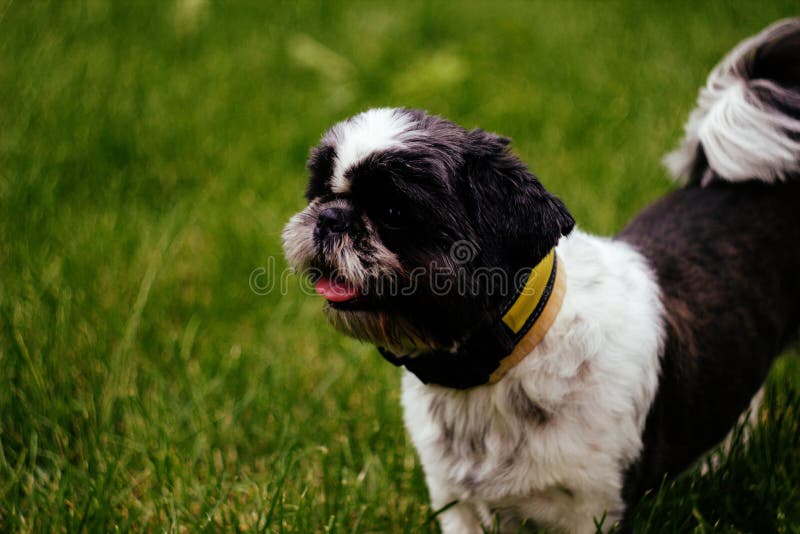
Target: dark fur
x: 727, y: 258
x: 525, y: 408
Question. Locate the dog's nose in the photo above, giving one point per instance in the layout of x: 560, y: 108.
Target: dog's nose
x: 331, y: 221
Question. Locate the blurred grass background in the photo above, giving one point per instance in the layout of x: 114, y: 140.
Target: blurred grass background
x: 150, y: 152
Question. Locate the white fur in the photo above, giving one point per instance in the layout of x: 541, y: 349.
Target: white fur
x: 298, y: 237
x: 370, y: 131
x: 743, y: 137
x: 595, y: 376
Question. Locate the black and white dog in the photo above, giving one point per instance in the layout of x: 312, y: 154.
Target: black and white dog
x: 553, y: 376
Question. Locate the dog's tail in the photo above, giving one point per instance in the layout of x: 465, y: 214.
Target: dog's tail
x: 747, y: 122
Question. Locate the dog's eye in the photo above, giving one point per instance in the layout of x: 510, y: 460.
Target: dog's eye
x: 392, y: 217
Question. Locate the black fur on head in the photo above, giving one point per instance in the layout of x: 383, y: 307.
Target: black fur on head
x: 403, y: 205
x: 518, y: 221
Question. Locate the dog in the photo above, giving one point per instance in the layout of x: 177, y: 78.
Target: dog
x: 551, y: 377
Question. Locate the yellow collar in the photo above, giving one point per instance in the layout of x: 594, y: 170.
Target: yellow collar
x: 539, y: 301
x: 490, y: 353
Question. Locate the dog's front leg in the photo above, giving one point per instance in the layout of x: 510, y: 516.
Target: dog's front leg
x: 459, y: 518
x: 454, y: 518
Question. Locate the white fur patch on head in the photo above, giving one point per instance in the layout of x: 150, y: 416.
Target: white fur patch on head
x: 368, y: 132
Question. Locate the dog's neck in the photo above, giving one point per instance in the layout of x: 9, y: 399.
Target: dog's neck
x: 533, y: 311
x: 491, y: 351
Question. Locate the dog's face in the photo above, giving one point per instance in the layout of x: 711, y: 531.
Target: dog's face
x: 406, y: 210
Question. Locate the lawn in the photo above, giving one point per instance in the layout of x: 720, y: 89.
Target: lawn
x: 150, y: 153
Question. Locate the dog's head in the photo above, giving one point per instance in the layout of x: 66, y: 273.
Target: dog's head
x: 416, y: 228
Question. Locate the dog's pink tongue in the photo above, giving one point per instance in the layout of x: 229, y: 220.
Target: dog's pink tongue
x: 335, y: 291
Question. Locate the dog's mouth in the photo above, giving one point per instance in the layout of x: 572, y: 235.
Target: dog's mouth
x: 336, y: 291
x: 341, y: 295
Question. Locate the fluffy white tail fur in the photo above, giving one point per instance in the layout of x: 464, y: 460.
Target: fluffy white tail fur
x: 747, y: 121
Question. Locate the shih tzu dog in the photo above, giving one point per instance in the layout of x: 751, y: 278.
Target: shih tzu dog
x: 551, y: 377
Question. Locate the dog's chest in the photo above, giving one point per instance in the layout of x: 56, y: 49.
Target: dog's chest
x: 551, y: 440
x: 507, y: 447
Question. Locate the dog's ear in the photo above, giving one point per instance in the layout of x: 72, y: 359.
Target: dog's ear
x: 320, y: 168
x: 508, y: 206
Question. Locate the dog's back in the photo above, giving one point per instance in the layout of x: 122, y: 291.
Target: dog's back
x: 726, y: 251
x: 727, y: 259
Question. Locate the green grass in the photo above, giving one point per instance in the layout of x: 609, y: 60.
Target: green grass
x: 150, y: 153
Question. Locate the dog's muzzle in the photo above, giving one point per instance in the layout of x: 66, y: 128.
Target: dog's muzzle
x: 331, y: 222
